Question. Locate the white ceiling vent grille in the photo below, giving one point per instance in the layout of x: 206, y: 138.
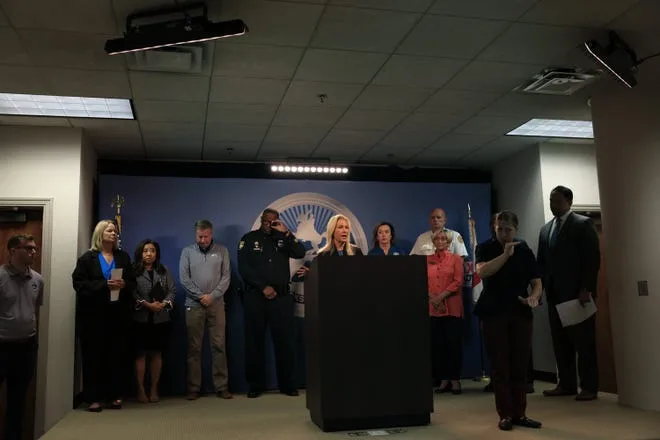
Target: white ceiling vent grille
x: 179, y: 59
x: 558, y: 82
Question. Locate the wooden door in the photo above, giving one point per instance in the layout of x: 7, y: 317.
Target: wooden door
x: 606, y: 367
x: 33, y: 226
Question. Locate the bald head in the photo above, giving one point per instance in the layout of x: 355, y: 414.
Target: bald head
x: 437, y: 219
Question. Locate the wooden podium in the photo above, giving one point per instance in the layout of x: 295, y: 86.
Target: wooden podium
x: 368, y: 342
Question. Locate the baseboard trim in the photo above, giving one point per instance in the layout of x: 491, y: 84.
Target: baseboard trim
x: 545, y: 376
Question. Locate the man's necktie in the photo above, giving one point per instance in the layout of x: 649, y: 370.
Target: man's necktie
x: 555, y: 232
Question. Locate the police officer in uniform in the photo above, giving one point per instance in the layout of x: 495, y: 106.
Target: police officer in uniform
x: 263, y: 263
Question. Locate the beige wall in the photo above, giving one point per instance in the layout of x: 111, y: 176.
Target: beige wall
x: 628, y: 154
x: 39, y: 162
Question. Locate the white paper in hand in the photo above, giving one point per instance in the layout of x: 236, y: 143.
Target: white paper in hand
x: 572, y: 312
x: 116, y: 274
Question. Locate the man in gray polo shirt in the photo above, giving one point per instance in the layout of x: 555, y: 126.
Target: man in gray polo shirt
x: 21, y: 294
x: 204, y: 273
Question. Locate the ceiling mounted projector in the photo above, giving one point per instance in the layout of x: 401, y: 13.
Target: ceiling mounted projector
x: 170, y: 27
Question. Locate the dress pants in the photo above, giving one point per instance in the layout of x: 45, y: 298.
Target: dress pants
x: 17, y: 365
x: 446, y: 348
x: 276, y: 314
x: 106, y: 359
x: 508, y: 340
x: 567, y: 341
x: 198, y: 319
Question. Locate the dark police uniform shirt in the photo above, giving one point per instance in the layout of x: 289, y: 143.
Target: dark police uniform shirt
x: 263, y: 259
x: 502, y: 289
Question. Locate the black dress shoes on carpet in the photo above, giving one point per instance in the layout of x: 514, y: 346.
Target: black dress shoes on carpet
x: 506, y: 424
x: 253, y: 394
x: 292, y: 393
x: 526, y: 422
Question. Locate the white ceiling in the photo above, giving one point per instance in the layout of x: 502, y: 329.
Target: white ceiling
x: 408, y: 82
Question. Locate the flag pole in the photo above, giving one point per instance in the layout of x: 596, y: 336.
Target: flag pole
x: 484, y: 377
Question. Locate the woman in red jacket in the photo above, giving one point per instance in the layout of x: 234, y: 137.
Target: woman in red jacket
x: 445, y: 277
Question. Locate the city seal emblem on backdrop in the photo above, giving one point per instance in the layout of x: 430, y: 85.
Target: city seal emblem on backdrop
x: 306, y: 215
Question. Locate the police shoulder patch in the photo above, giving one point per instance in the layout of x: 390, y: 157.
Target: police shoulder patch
x: 241, y: 244
x: 460, y: 239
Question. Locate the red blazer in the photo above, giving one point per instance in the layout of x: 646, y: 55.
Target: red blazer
x: 445, y: 274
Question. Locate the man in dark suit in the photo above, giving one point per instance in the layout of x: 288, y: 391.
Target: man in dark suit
x: 569, y: 259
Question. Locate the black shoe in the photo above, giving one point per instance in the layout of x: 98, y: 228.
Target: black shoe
x: 445, y: 389
x: 559, y: 391
x: 505, y: 424
x: 253, y: 394
x: 292, y: 393
x: 530, y: 388
x: 527, y: 423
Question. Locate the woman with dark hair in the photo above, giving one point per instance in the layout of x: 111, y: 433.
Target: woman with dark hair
x: 154, y: 298
x: 508, y: 267
x: 383, y: 239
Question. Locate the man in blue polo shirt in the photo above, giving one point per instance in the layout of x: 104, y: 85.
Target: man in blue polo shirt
x: 21, y: 294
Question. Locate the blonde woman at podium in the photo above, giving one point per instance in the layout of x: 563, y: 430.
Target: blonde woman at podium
x: 338, y: 238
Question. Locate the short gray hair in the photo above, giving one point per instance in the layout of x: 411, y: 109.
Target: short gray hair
x: 443, y: 231
x: 203, y: 225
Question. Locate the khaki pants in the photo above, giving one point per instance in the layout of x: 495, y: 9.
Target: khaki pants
x: 197, y: 320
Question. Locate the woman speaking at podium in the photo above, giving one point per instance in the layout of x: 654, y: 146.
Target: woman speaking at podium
x: 338, y: 238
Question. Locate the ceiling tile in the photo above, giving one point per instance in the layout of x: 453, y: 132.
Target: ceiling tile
x: 496, y: 10
x: 407, y: 70
x: 535, y: 44
x: 71, y: 15
x: 240, y: 114
x: 391, y: 98
x: 247, y: 90
x: 296, y: 116
x: 244, y: 60
x: 108, y: 127
x: 370, y: 119
x: 345, y: 139
x: 384, y: 154
x: 462, y: 143
x: 421, y: 122
x: 124, y: 8
x: 306, y: 93
x: 68, y: 49
x: 394, y: 5
x: 302, y: 135
x: 539, y: 106
x: 641, y: 18
x: 435, y: 159
x: 109, y: 149
x: 230, y: 151
x: 92, y: 83
x: 35, y: 120
x: 453, y: 37
x: 274, y: 23
x: 11, y: 49
x: 184, y: 150
x: 169, y: 87
x: 403, y: 138
x: 234, y: 133
x: 168, y: 132
x: 342, y: 155
x: 339, y: 66
x: 493, y: 76
x: 362, y: 29
x: 490, y: 125
x: 458, y: 102
x: 284, y: 150
x: 15, y: 79
x: 169, y: 111
x: 585, y: 13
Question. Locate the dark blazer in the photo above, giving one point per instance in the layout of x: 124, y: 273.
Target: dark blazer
x: 573, y: 263
x: 142, y: 293
x: 92, y: 292
x: 356, y: 251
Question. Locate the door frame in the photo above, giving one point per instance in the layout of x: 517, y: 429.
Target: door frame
x: 46, y: 204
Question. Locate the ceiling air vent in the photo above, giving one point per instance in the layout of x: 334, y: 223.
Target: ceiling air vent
x: 178, y: 59
x: 558, y: 81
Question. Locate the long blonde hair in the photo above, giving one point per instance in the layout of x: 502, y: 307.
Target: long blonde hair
x: 97, y: 236
x: 330, y: 232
